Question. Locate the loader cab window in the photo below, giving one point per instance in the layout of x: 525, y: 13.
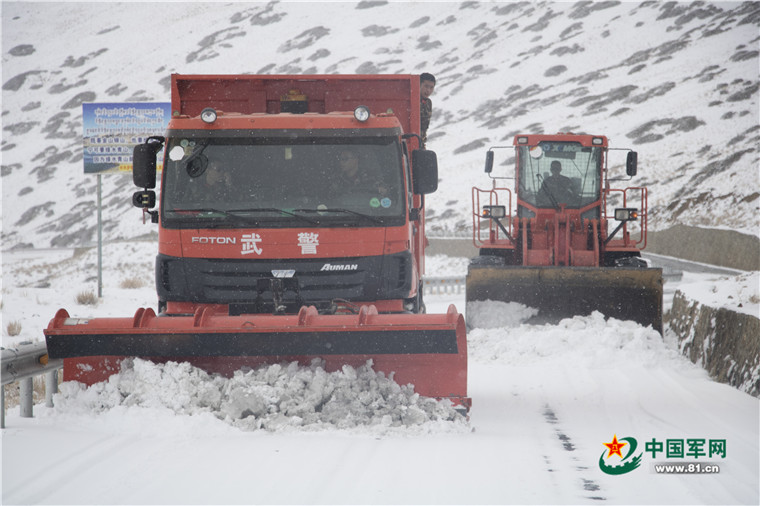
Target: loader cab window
x: 554, y: 173
x: 245, y: 181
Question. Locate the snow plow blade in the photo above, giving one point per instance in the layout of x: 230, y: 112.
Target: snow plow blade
x: 427, y: 350
x: 563, y: 292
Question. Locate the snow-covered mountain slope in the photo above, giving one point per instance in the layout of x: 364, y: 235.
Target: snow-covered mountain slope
x: 678, y: 82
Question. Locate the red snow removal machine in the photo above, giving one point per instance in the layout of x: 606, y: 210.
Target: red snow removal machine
x: 547, y: 244
x: 291, y: 226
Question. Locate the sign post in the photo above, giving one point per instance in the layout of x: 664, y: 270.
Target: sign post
x: 100, y: 237
x: 110, y: 133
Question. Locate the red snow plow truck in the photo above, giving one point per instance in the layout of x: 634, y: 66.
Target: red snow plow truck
x: 291, y: 226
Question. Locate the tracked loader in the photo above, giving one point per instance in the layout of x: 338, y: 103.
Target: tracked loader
x: 291, y: 226
x: 561, y: 240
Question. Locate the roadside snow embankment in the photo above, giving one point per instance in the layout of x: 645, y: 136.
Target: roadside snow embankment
x: 717, y: 326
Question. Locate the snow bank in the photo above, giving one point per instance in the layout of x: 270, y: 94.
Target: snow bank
x: 739, y: 293
x: 585, y: 341
x: 273, y: 397
x: 490, y: 314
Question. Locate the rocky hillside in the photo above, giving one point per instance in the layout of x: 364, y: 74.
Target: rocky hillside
x: 678, y: 82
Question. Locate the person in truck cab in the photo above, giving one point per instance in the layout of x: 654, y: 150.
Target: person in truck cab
x: 558, y: 188
x: 214, y: 184
x: 354, y: 173
x: 348, y: 161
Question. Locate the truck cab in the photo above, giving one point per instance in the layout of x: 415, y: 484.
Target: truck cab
x: 283, y: 191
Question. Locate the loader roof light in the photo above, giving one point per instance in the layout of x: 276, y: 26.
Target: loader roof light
x: 208, y: 115
x: 626, y: 214
x: 361, y: 113
x: 522, y: 140
x: 597, y: 141
x: 536, y: 152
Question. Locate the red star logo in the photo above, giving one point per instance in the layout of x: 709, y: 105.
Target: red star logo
x: 614, y: 447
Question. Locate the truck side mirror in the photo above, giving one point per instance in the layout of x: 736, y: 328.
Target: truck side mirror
x: 489, y: 161
x: 144, y: 162
x: 424, y: 171
x: 631, y: 162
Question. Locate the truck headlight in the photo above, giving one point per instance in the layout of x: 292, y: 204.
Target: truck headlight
x: 361, y: 113
x: 208, y: 115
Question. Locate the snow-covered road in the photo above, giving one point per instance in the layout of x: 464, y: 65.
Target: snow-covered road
x: 546, y: 400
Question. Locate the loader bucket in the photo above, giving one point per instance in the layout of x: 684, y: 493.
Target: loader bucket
x: 427, y: 350
x: 563, y: 292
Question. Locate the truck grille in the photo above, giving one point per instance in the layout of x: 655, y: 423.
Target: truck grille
x: 313, y: 281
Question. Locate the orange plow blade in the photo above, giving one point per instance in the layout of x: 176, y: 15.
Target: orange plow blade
x: 426, y: 350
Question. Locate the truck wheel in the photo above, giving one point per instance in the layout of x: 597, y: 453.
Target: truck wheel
x: 415, y: 304
x: 419, y: 303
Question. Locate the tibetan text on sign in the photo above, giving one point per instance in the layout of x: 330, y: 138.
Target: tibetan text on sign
x: 111, y: 130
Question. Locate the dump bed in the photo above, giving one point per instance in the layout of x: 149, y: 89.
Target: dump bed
x: 264, y: 94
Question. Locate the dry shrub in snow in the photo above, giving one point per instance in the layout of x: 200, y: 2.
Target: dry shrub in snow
x: 132, y: 283
x: 13, y: 328
x: 87, y: 298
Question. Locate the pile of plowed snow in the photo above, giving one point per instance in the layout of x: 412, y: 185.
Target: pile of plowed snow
x: 498, y: 334
x: 490, y: 314
x: 273, y: 397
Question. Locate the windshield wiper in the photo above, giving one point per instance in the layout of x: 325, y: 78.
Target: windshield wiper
x: 199, y: 210
x: 273, y: 210
x: 341, y: 210
x: 235, y: 213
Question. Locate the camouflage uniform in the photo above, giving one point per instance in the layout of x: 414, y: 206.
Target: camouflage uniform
x: 426, y: 111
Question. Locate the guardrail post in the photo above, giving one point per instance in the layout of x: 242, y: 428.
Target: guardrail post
x: 2, y: 407
x: 26, y: 402
x: 51, y: 387
x: 22, y: 363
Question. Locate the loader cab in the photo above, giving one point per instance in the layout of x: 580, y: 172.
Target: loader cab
x: 555, y: 175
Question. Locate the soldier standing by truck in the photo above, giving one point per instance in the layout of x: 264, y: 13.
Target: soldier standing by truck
x: 427, y: 86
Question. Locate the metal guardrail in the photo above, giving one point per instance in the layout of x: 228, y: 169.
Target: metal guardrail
x: 22, y: 364
x: 669, y: 274
x: 443, y: 284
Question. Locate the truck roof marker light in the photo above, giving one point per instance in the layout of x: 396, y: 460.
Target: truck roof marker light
x: 597, y: 141
x: 208, y: 115
x: 361, y: 113
x: 522, y: 140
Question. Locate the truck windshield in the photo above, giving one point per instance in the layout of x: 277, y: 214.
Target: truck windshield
x: 554, y: 173
x: 282, y: 182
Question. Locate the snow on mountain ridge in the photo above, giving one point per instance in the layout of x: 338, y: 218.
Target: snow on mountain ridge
x: 677, y: 82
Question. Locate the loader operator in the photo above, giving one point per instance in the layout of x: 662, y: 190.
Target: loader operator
x: 558, y: 188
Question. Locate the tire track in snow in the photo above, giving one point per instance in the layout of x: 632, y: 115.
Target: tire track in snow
x: 101, y: 450
x: 588, y: 485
